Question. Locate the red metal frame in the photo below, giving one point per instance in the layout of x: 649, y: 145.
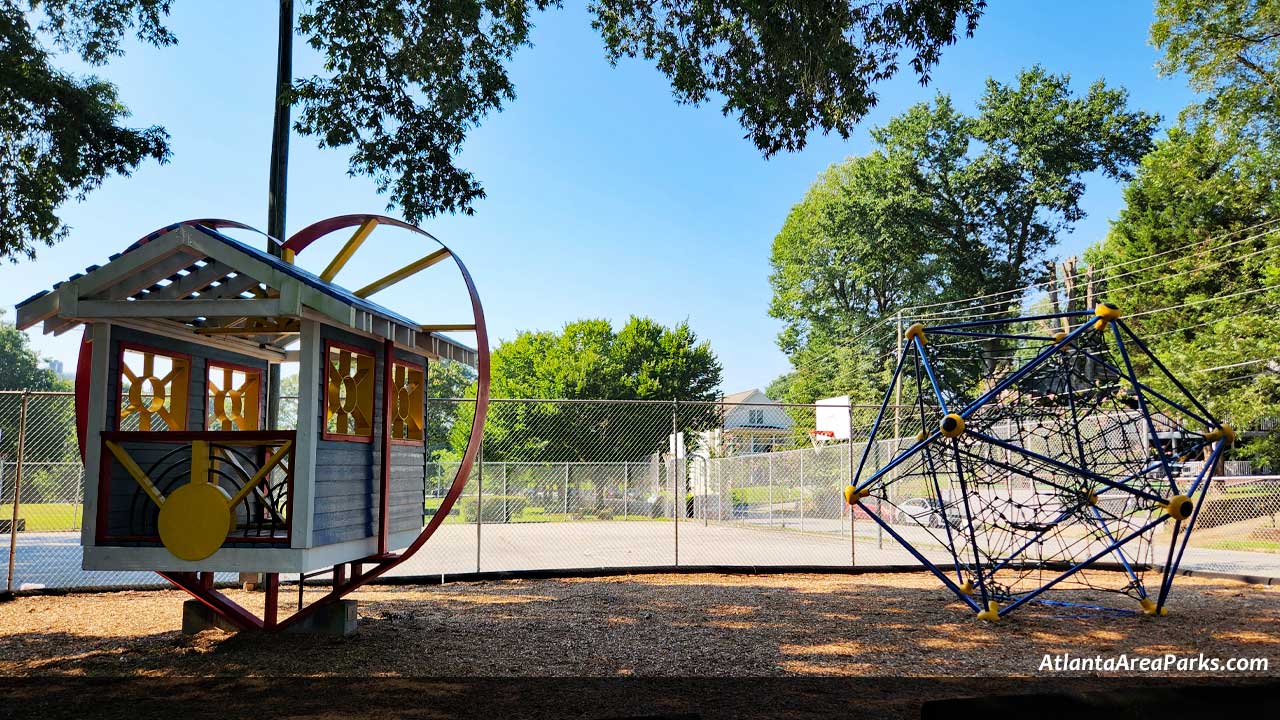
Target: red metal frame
x: 209, y: 365
x: 324, y: 428
x: 179, y: 437
x: 123, y: 346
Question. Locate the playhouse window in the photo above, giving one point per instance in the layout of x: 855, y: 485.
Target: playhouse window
x: 153, y: 390
x: 348, y: 399
x: 233, y: 397
x: 407, y: 412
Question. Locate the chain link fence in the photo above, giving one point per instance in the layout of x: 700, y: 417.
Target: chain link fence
x: 564, y: 484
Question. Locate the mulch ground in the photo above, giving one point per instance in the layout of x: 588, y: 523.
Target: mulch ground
x: 705, y: 625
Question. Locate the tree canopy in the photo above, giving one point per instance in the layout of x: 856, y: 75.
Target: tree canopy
x: 1193, y: 253
x: 947, y: 206
x: 588, y: 359
x: 403, y: 82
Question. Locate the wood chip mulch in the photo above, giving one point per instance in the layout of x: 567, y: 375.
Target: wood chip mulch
x: 702, y: 625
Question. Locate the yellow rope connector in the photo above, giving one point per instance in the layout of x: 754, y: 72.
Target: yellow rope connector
x: 1225, y: 432
x: 853, y: 495
x: 1060, y: 336
x: 967, y: 587
x: 1091, y: 498
x: 920, y: 436
x: 1179, y: 507
x: 952, y: 425
x: 1149, y: 607
x: 1106, y: 313
x: 916, y: 330
x: 992, y: 613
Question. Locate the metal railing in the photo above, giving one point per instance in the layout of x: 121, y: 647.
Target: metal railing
x: 595, y: 484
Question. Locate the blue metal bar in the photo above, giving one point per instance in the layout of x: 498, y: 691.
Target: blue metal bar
x: 1207, y: 475
x: 1149, y: 390
x: 1002, y: 321
x: 1068, y: 468
x: 946, y: 522
x: 1021, y: 372
x: 1142, y: 591
x: 901, y: 459
x: 968, y: 516
x: 875, y: 428
x: 1005, y: 336
x: 1143, y: 346
x: 1208, y: 466
x: 923, y: 560
x: 1142, y: 407
x: 1081, y: 565
x: 929, y: 371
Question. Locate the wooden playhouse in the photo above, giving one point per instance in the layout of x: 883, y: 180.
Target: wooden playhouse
x: 184, y: 473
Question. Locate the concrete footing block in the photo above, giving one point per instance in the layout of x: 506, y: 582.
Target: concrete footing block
x: 335, y: 619
x: 197, y: 617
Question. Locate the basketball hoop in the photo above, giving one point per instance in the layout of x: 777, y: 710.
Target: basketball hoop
x: 820, y: 438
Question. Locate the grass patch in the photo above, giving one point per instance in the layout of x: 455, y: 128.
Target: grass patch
x: 46, y: 517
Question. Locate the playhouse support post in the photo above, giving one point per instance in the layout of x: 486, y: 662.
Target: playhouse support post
x: 270, y: 612
x: 384, y: 485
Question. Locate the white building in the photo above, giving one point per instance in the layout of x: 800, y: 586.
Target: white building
x: 752, y: 423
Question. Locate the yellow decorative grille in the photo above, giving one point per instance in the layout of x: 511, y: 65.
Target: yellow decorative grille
x: 234, y: 398
x: 153, y: 390
x: 407, y: 413
x: 349, y: 397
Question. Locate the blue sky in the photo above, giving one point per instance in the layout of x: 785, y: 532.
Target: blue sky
x: 605, y: 197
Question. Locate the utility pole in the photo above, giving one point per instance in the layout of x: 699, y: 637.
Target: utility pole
x: 279, y: 176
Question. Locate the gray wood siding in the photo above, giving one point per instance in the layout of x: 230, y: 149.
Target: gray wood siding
x: 348, y: 473
x: 126, y: 496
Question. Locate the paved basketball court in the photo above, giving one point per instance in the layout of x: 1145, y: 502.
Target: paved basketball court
x: 53, y: 559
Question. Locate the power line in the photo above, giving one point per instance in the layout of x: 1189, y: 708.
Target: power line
x: 967, y: 309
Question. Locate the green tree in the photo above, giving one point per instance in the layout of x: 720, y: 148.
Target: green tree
x: 1228, y: 49
x: 1204, y: 203
x: 948, y: 206
x: 50, y: 419
x: 588, y: 359
x: 61, y: 136
x: 402, y: 82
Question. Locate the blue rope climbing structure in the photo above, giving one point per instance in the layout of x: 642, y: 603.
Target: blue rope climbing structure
x: 1034, y: 454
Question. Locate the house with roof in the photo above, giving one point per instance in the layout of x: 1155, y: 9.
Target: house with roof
x: 751, y: 422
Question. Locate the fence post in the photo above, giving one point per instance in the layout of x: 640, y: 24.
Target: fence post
x: 677, y: 505
x: 853, y: 535
x: 506, y: 509
x: 769, y: 457
x: 479, y: 499
x: 626, y: 481
x: 566, y: 490
x: 802, y: 491
x: 17, y: 487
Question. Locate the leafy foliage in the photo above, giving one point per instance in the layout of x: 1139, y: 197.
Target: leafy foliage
x: 948, y: 206
x: 1205, y: 201
x: 760, y: 56
x: 20, y: 365
x: 403, y: 82
x: 588, y: 359
x: 1230, y: 50
x: 61, y: 136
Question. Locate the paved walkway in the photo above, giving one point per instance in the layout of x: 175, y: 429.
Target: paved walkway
x: 53, y: 559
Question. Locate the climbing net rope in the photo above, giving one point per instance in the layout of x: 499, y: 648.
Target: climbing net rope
x: 1031, y: 454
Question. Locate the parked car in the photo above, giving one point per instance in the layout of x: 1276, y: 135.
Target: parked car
x: 926, y: 511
